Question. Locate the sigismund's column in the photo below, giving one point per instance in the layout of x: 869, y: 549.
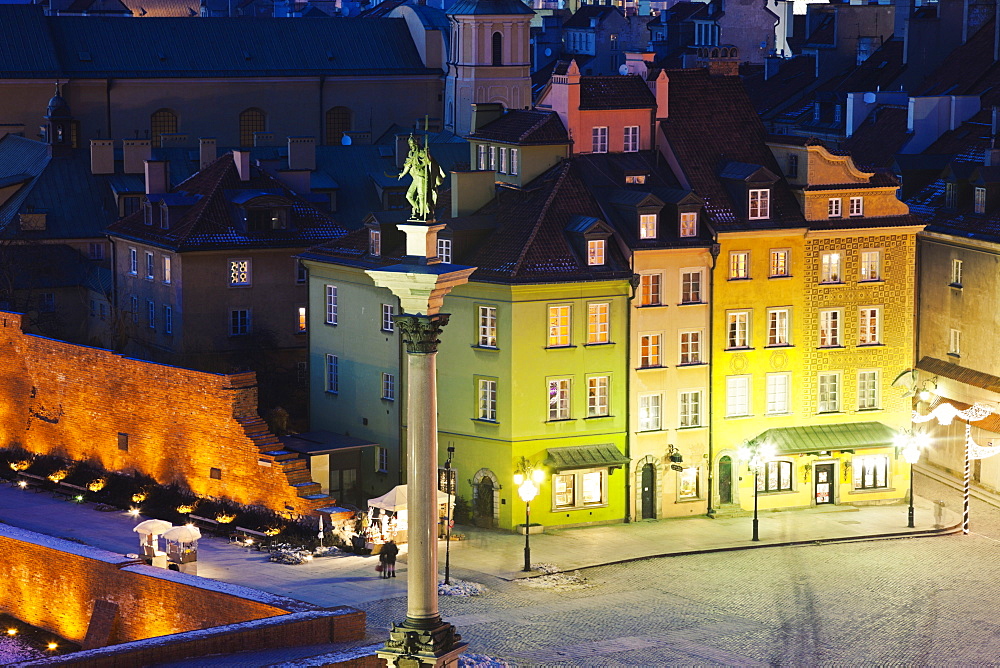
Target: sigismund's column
x: 421, y: 283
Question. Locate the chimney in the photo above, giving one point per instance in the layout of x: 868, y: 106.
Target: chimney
x: 484, y: 113
x: 471, y: 191
x: 102, y: 156
x: 206, y: 152
x: 661, y: 88
x: 157, y: 181
x: 772, y: 64
x: 302, y: 153
x: 402, y: 149
x: 136, y: 152
x: 263, y: 139
x: 242, y: 160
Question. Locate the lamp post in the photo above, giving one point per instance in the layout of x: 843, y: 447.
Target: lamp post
x: 527, y: 480
x: 756, y: 455
x: 447, y: 526
x: 910, y: 445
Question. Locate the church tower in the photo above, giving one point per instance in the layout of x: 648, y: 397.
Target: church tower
x: 489, y: 59
x: 60, y: 129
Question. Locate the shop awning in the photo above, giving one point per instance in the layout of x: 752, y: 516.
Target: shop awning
x: 585, y: 457
x: 829, y: 437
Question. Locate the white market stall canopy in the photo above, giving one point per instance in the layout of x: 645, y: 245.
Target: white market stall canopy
x: 395, y: 499
x: 183, y: 534
x: 155, y: 527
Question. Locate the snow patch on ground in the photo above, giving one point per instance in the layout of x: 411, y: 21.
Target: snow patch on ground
x: 480, y: 661
x: 461, y: 588
x: 14, y: 651
x: 554, y: 578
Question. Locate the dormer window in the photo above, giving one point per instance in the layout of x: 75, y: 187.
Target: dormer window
x: 689, y: 224
x: 261, y: 219
x: 595, y: 252
x: 760, y: 204
x: 164, y: 216
x: 949, y: 195
x: 147, y: 213
x: 980, y: 202
x: 374, y: 242
x: 635, y: 179
x: 444, y: 250
x: 647, y: 226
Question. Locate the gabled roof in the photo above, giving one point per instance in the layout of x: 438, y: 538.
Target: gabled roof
x: 524, y: 127
x: 615, y: 92
x: 743, y: 171
x: 38, y: 46
x: 489, y: 7
x: 581, y: 19
x: 215, y: 219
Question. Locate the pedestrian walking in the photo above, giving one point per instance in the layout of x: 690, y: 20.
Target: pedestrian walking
x: 387, y: 558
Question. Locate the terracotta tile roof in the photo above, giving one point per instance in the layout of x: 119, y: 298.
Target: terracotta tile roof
x: 712, y: 123
x: 877, y: 140
x: 214, y: 219
x: 616, y: 92
x: 523, y: 126
x: 961, y: 374
x: 861, y: 223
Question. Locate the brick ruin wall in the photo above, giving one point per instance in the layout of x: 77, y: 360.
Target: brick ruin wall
x: 71, y: 400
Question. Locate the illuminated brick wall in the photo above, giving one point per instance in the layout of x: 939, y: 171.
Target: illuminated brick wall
x: 75, y: 401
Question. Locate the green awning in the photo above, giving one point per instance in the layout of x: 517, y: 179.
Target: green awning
x: 828, y: 437
x: 585, y: 457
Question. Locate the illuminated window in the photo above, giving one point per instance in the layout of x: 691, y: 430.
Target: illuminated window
x: 871, y: 265
x: 690, y: 408
x: 690, y: 347
x: 829, y: 328
x: 777, y: 389
x: 332, y: 373
x: 829, y: 268
x: 597, y: 396
x: 300, y: 319
x: 635, y: 178
x: 166, y: 269
x: 649, y: 289
x: 387, y: 324
x: 631, y: 142
x: 388, y: 387
x: 647, y: 226
x: 737, y: 396
x: 599, y: 139
x: 649, y: 412
x: 559, y: 399
x: 487, y: 327
x: 738, y: 329
x: 374, y: 242
x: 760, y: 204
x: 595, y: 252
x: 779, y: 263
x: 777, y: 327
x: 691, y: 287
x: 775, y: 477
x: 331, y: 304
x: 829, y: 392
x: 857, y: 206
x: 870, y: 471
x: 689, y: 224
x: 649, y: 350
x: 598, y: 326
x: 338, y: 121
x: 251, y: 121
x: 163, y: 121
x: 689, y: 483
x: 868, y: 395
x: 487, y: 399
x: 559, y: 326
x: 870, y: 326
x: 739, y: 265
x: 239, y: 322
x: 239, y: 272
x: 833, y: 207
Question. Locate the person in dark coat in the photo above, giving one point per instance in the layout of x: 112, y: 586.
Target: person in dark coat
x: 387, y: 557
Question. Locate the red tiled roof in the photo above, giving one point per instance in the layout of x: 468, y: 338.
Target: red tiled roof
x: 523, y: 126
x: 882, y: 134
x: 616, y: 92
x: 962, y: 374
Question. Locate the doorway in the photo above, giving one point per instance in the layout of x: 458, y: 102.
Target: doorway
x: 483, y: 507
x: 725, y: 480
x: 824, y: 484
x: 648, y: 492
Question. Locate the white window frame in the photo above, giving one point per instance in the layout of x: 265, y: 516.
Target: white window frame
x: 692, y: 282
x: 381, y: 459
x: 689, y: 347
x: 332, y: 373
x: 737, y: 330
x: 151, y: 313
x: 857, y: 206
x: 598, y: 323
x: 560, y: 334
x: 648, y: 225
x: 240, y: 275
x: 870, y: 265
x: 737, y: 396
x: 869, y: 325
x: 650, y: 350
x: 167, y: 275
x: 388, y: 386
x: 777, y: 391
x: 828, y: 386
x: 831, y: 267
x: 689, y: 224
x: 481, y: 154
x: 559, y: 397
x: 514, y: 159
x: 689, y: 411
x: 133, y: 261
x: 332, y: 304
x: 444, y: 250
x: 387, y: 312
x: 834, y: 207
x: 650, y: 416
x: 956, y: 273
x: 487, y: 327
x: 596, y: 252
x: 869, y: 471
x: 502, y: 160
x: 650, y: 289
x: 779, y: 327
x: 569, y: 489
x: 739, y: 265
x: 599, y: 139
x: 493, y: 158
x: 955, y: 342
x: 869, y: 395
x: 486, y: 399
x: 979, y: 205
x: 631, y: 139
x: 150, y: 260
x: 779, y: 265
x: 598, y: 396
x: 168, y: 319
x: 759, y: 204
x: 830, y: 328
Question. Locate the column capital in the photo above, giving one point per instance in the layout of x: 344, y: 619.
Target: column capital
x: 421, y: 332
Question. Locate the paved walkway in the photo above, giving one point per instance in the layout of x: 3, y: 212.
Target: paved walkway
x: 351, y: 580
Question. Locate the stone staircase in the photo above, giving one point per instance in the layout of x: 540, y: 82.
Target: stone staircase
x: 292, y: 464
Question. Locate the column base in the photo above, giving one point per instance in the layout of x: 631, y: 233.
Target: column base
x: 422, y: 643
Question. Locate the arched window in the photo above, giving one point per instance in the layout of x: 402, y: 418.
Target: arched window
x: 163, y: 121
x: 338, y: 121
x: 497, y: 49
x: 251, y: 120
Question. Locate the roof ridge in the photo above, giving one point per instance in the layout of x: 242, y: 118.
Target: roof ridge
x: 541, y: 215
x: 194, y: 214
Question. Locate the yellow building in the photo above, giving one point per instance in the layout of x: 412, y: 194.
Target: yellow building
x: 812, y: 323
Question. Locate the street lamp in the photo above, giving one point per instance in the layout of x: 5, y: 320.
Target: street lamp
x: 756, y: 454
x: 447, y: 526
x: 528, y: 481
x: 910, y: 445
